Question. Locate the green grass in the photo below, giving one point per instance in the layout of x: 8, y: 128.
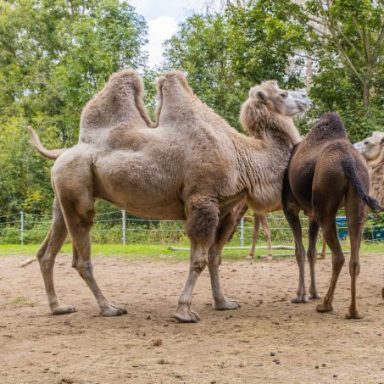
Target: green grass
x: 163, y: 252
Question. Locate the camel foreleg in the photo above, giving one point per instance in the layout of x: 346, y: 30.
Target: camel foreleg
x: 202, y: 222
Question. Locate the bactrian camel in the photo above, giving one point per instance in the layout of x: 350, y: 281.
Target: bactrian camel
x: 325, y: 173
x: 372, y: 148
x: 192, y: 167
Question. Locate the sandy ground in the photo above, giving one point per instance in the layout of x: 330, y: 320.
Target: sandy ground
x: 268, y: 340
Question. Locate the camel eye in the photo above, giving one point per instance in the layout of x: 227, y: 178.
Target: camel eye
x: 284, y: 95
x: 366, y: 142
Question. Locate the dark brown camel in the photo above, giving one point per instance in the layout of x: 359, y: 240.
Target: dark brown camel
x: 325, y: 173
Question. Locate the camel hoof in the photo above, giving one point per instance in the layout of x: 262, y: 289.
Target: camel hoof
x: 353, y: 315
x: 228, y: 304
x: 324, y: 308
x: 112, y: 310
x: 314, y: 296
x: 300, y: 300
x: 63, y: 309
x: 184, y: 314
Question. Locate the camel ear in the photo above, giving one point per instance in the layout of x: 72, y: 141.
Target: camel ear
x: 261, y: 96
x: 382, y: 141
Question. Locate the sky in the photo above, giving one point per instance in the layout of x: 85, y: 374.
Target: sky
x: 162, y: 17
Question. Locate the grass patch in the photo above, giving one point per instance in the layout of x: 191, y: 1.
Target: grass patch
x: 22, y: 302
x: 163, y: 252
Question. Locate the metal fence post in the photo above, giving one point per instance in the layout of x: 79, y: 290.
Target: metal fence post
x: 123, y: 224
x: 22, y: 227
x: 242, y: 232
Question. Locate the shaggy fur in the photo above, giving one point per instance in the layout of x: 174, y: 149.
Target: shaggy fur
x: 372, y: 148
x: 119, y: 101
x: 193, y: 167
x: 325, y: 173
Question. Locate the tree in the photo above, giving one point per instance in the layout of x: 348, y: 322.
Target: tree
x: 54, y: 55
x: 225, y: 53
x: 345, y: 38
x: 353, y: 31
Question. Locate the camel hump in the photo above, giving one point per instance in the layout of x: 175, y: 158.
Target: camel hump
x: 329, y: 127
x: 119, y: 101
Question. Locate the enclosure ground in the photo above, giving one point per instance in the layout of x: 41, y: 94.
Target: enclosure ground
x: 268, y: 340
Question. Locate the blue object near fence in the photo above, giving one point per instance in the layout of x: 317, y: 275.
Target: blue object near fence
x: 375, y: 233
x: 342, y: 227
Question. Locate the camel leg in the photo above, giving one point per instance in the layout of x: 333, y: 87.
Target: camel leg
x: 267, y: 234
x: 312, y: 256
x: 46, y: 256
x: 323, y: 249
x: 255, y: 235
x: 220, y: 302
x: 356, y: 213
x: 328, y: 225
x: 294, y: 222
x: 202, y: 222
x: 79, y: 218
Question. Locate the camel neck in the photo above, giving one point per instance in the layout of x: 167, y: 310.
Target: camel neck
x: 262, y: 165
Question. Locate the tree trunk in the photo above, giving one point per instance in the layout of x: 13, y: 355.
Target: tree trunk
x: 366, y: 95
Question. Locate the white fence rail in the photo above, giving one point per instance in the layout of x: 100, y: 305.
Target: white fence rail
x: 115, y: 226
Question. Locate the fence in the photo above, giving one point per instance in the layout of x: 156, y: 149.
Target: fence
x: 116, y: 226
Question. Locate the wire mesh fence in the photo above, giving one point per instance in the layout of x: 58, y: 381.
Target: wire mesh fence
x: 116, y: 226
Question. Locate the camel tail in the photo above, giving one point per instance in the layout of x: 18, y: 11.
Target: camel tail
x: 52, y: 154
x: 350, y: 171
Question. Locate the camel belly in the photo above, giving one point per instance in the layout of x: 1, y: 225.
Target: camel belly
x: 138, y: 185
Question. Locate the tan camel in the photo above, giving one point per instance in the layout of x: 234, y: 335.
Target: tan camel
x: 192, y: 167
x: 325, y: 173
x: 372, y: 148
x: 257, y: 220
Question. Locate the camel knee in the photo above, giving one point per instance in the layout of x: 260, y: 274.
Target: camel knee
x: 354, y: 267
x: 199, y: 264
x: 338, y: 262
x: 83, y: 267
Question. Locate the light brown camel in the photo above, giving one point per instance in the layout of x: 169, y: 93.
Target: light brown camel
x: 372, y: 148
x: 192, y: 167
x: 325, y: 173
x: 257, y: 220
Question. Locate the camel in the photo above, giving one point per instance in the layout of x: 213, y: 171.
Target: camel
x: 257, y: 220
x: 193, y: 166
x: 325, y: 173
x: 372, y: 148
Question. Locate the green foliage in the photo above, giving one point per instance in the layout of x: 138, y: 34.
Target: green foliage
x: 54, y: 55
x: 224, y: 54
x: 346, y: 40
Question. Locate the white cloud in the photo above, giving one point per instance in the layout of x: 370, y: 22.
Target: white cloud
x: 159, y: 30
x: 162, y: 17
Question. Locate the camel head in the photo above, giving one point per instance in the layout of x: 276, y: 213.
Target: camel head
x: 119, y: 101
x: 270, y: 109
x: 288, y: 103
x: 372, y: 146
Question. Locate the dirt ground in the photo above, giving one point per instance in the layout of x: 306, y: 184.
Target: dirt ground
x: 268, y: 340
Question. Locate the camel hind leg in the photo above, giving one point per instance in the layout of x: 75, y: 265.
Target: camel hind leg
x: 46, y: 256
x: 356, y: 213
x: 79, y: 214
x: 267, y: 234
x: 255, y: 235
x: 312, y: 256
x: 325, y: 210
